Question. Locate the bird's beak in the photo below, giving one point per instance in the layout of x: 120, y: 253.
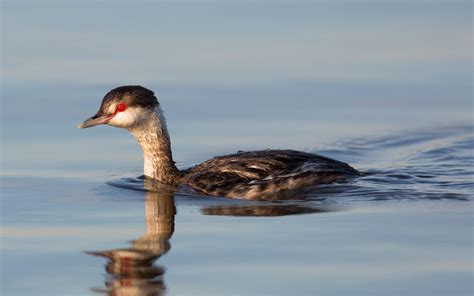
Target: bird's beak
x: 95, y: 120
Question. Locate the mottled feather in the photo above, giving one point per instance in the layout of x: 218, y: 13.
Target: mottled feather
x: 260, y: 174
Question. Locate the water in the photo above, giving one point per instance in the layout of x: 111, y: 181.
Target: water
x: 405, y: 228
x: 361, y: 87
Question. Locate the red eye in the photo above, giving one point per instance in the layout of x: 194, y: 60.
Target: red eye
x: 121, y: 107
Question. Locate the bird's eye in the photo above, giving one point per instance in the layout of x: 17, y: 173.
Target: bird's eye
x: 121, y: 107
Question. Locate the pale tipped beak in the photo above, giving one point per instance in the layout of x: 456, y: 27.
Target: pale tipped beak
x: 95, y: 120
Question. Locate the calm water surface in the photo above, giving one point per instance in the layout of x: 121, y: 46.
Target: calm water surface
x: 352, y: 80
x: 405, y: 228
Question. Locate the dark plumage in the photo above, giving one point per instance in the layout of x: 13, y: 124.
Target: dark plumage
x: 256, y: 174
x: 264, y: 173
x: 132, y: 96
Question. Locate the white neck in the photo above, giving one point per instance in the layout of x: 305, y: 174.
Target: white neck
x: 152, y: 135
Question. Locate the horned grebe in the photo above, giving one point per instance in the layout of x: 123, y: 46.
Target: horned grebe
x: 248, y: 175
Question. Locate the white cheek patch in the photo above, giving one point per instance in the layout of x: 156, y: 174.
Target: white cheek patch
x: 127, y: 118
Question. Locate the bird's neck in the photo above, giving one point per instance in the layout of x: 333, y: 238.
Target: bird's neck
x: 152, y: 134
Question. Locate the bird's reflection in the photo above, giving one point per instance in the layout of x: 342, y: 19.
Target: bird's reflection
x: 132, y: 271
x: 265, y: 210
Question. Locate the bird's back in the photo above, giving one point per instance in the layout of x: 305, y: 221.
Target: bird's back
x: 260, y: 174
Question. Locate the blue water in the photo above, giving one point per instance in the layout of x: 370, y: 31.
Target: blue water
x: 386, y: 87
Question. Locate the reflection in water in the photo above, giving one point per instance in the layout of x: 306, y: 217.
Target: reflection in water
x: 267, y: 210
x: 132, y: 271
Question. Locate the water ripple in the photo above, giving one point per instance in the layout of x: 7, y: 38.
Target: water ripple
x: 426, y: 165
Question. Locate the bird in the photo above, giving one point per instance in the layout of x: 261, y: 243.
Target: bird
x: 244, y: 174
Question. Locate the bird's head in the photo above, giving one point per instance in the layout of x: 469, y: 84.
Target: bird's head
x: 124, y: 107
